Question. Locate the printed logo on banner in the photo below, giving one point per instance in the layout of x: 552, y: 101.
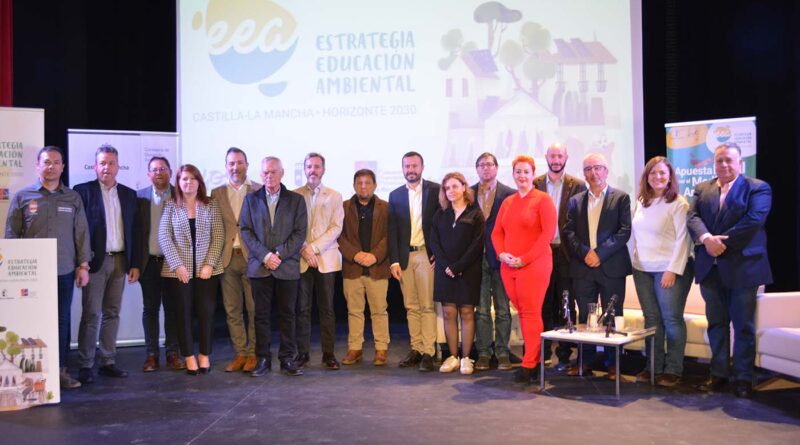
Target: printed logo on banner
x: 4, y: 295
x: 23, y: 292
x: 5, y: 194
x: 248, y: 41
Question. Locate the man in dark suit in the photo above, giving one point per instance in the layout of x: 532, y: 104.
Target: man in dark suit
x: 490, y: 193
x: 726, y: 221
x: 151, y: 204
x: 596, y: 232
x: 561, y: 187
x: 111, y: 211
x: 272, y: 225
x: 411, y: 209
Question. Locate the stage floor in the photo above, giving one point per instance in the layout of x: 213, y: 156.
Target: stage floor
x: 388, y: 405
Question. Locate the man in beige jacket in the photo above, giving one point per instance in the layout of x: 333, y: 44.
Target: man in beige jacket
x: 319, y: 261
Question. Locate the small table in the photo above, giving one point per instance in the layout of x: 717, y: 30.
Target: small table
x: 580, y: 336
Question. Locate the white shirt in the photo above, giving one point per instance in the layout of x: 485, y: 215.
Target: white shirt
x: 595, y: 207
x: 554, y: 190
x: 236, y: 198
x: 115, y: 237
x: 415, y: 209
x: 659, y: 239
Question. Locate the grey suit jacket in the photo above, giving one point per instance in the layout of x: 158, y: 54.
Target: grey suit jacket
x: 284, y: 236
x: 231, y: 223
x: 144, y: 197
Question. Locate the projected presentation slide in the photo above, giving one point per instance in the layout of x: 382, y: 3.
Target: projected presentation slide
x: 363, y: 82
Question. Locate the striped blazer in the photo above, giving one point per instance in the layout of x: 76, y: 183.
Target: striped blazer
x: 175, y: 238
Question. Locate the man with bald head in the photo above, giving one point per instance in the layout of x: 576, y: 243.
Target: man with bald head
x: 561, y: 187
x: 596, y: 232
x: 726, y: 221
x: 272, y: 225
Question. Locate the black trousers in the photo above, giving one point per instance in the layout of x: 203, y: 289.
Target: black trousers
x: 586, y: 290
x: 313, y: 283
x: 198, y: 296
x: 284, y: 292
x: 552, y: 309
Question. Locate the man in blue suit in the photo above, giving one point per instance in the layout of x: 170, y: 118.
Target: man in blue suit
x: 111, y: 211
x: 490, y: 193
x: 273, y: 226
x: 411, y: 209
x: 596, y: 232
x: 726, y: 221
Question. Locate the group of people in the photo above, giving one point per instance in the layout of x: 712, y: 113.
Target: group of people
x: 470, y: 250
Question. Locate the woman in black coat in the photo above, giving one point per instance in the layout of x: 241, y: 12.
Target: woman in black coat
x: 457, y: 240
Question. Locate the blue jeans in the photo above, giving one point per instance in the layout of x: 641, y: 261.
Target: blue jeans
x: 663, y: 308
x: 66, y: 286
x: 723, y: 306
x: 492, y: 289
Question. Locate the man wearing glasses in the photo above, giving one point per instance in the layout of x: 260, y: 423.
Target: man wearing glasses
x: 597, y: 230
x: 490, y: 194
x: 151, y: 200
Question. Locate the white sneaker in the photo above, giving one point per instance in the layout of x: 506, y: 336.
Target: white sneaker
x: 466, y: 366
x: 450, y: 364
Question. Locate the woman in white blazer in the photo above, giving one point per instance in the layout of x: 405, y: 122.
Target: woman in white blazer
x: 191, y: 235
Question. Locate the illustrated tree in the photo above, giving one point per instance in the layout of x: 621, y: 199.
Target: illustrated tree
x: 530, y: 56
x: 453, y: 43
x: 496, y: 16
x: 10, y: 347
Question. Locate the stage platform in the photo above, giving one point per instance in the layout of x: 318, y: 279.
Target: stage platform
x: 363, y: 404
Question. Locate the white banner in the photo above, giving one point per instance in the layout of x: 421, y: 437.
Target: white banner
x: 21, y: 137
x: 135, y: 150
x: 28, y: 324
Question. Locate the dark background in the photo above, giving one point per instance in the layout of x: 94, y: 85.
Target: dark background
x: 111, y: 65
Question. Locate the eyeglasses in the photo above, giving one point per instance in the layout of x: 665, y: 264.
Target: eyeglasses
x: 486, y: 165
x: 596, y: 168
x: 159, y: 170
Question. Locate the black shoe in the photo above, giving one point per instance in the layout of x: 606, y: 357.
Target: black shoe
x: 193, y: 371
x: 412, y: 359
x: 330, y: 362
x: 743, y: 389
x: 426, y: 363
x: 302, y: 359
x: 85, y: 376
x: 289, y: 367
x: 263, y: 366
x: 713, y: 384
x: 112, y: 371
x: 202, y: 370
x: 515, y: 359
x: 527, y: 375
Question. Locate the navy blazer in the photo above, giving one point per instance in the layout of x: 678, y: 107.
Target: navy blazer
x: 96, y: 216
x: 284, y: 236
x: 745, y: 262
x: 400, y: 220
x: 613, y: 232
x: 143, y: 198
x: 501, y: 193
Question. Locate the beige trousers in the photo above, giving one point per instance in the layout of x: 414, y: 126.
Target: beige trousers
x: 417, y: 286
x: 355, y: 291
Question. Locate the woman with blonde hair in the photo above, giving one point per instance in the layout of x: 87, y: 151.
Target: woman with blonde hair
x: 457, y: 239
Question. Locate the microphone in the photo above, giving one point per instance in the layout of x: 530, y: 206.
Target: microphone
x: 565, y: 300
x: 609, y: 309
x: 567, y: 312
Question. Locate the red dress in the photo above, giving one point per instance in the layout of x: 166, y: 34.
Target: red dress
x: 524, y: 228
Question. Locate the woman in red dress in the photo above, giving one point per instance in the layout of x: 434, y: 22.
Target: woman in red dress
x: 525, y: 225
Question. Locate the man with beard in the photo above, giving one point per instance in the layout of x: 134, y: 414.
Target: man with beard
x: 490, y: 193
x: 319, y: 261
x: 411, y: 209
x: 236, y: 291
x: 561, y: 187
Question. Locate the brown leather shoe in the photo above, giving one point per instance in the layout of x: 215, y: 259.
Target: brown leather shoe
x: 380, y: 358
x: 175, y: 362
x: 151, y: 364
x: 353, y: 356
x: 612, y: 373
x: 237, y: 364
x: 575, y: 370
x: 250, y: 364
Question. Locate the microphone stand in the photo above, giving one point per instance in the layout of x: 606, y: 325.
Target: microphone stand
x: 568, y: 313
x: 608, y: 317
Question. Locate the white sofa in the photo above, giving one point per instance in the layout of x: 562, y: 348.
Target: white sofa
x: 778, y: 332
